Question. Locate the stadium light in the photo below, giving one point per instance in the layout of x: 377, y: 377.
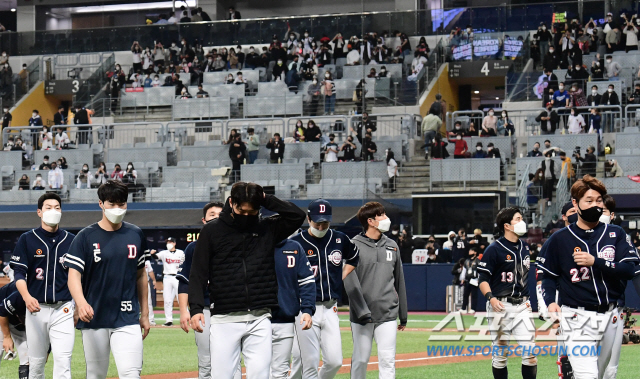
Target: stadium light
x: 476, y: 92
x: 128, y: 7
x: 497, y: 98
x: 13, y: 9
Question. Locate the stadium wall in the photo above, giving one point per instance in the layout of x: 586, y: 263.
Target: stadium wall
x: 445, y: 86
x: 35, y: 99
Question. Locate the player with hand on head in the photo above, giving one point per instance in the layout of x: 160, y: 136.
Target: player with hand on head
x: 171, y: 259
x: 327, y: 251
x: 235, y: 255
x: 210, y: 212
x: 586, y: 262
x: 41, y: 277
x: 377, y: 295
x: 12, y: 317
x: 108, y: 281
x: 504, y: 272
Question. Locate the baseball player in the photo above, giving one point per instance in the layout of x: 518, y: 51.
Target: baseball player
x: 460, y: 246
x: 41, y: 277
x: 326, y: 251
x: 12, y: 317
x: 504, y: 269
x: 377, y: 294
x: 150, y: 276
x: 171, y: 259
x: 587, y: 262
x: 109, y: 285
x: 209, y: 212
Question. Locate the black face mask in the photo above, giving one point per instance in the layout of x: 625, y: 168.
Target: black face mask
x: 245, y: 221
x: 590, y: 214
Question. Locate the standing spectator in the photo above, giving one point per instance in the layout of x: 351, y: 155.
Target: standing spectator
x: 233, y: 59
x: 147, y: 60
x: 489, y: 124
x: 195, y: 16
x: 551, y: 79
x: 348, y: 150
x: 595, y: 98
x: 438, y: 107
x: 158, y: 56
x: 631, y: 33
x: 117, y: 173
x: 461, y: 148
x: 595, y: 123
x: 253, y: 145
x: 369, y: 148
x: 576, y: 122
x: 276, y: 144
x: 460, y: 249
x: 548, y: 168
x: 359, y: 98
x: 612, y: 68
x: 439, y: 148
x: 612, y: 40
x: 83, y: 117
x: 6, y: 118
x: 329, y: 94
x: 312, y: 133
x: 580, y: 77
x: 56, y: 177
x: 589, y: 162
x: 534, y: 188
x: 431, y: 124
x: 561, y: 99
x: 609, y: 98
x: 185, y: 17
x: 479, y: 153
x: 237, y: 153
x: 543, y: 36
x: 114, y: 92
x: 36, y: 121
x: 136, y: 52
x: 232, y: 136
x: 331, y: 150
x: 392, y: 170
x: 62, y: 139
x: 24, y: 75
x: 339, y: 47
x: 234, y: 14
x: 551, y: 59
x: 60, y: 118
x: 364, y: 126
x: 506, y: 125
x: 314, y: 91
x: 567, y: 164
x: 470, y: 281
x: 46, y: 139
x: 597, y: 68
x: 205, y: 15
x: 536, y: 150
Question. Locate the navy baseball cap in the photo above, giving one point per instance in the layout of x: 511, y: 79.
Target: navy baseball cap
x: 171, y: 239
x: 566, y: 208
x: 319, y: 211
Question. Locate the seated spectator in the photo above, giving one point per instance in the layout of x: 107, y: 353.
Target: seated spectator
x: 298, y: 133
x: 219, y: 64
x: 612, y: 169
x: 45, y: 165
x: 369, y: 148
x: 84, y: 178
x: 46, y: 139
x: 23, y: 183
x: 276, y: 145
x: 156, y: 81
x: 239, y: 79
x: 489, y: 124
x: 576, y: 122
x: 349, y: 150
x: 353, y: 57
x: 372, y: 73
x: 148, y: 82
x: 56, y: 177
x: 548, y: 120
x: 101, y: 176
x: 479, y: 153
x: 610, y: 97
x: 279, y: 72
x: 612, y: 68
x: 458, y: 130
x: 567, y: 164
x: 534, y: 187
x: 331, y: 150
x: 130, y: 175
x: 554, y: 223
x: 62, y: 139
x: 461, y: 149
x: 438, y: 148
x: 432, y: 257
x: 576, y: 95
x: 505, y: 125
x: 201, y: 92
x: 635, y: 96
x: 184, y: 94
x: 312, y: 133
x: 117, y: 173
x: 536, y: 151
x: 292, y: 77
x: 597, y: 68
x: 324, y: 56
x: 589, y: 161
x: 252, y: 59
x: 39, y: 184
x: 492, y: 151
x: 229, y: 79
x: 383, y: 72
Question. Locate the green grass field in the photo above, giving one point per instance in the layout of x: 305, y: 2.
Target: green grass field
x: 170, y: 350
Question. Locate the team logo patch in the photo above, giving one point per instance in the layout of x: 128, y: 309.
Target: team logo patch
x: 508, y: 257
x: 66, y: 310
x: 612, y: 234
x: 526, y: 262
x: 607, y: 253
x: 39, y: 252
x: 335, y: 309
x: 338, y: 240
x: 310, y: 252
x: 336, y: 257
x: 615, y: 319
x: 289, y: 251
x: 577, y: 250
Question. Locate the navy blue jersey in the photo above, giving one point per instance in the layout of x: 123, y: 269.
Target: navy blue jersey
x: 460, y: 249
x: 325, y: 256
x: 505, y: 266
x: 615, y: 260
x: 12, y: 305
x: 38, y: 258
x: 296, y: 284
x: 109, y: 263
x: 185, y: 270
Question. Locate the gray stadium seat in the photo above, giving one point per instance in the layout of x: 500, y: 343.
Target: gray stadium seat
x: 167, y: 184
x: 631, y: 129
x: 184, y: 164
x: 226, y: 163
x: 183, y: 185
x: 213, y: 163
x: 357, y: 181
x: 155, y: 144
x: 290, y: 160
x: 141, y: 145
x: 200, y: 143
x: 197, y: 164
x: 127, y: 146
x: 342, y: 181
x: 260, y: 161
x: 623, y: 152
x: 327, y: 182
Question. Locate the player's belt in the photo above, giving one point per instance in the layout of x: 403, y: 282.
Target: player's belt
x: 514, y: 300
x: 169, y: 274
x: 604, y: 308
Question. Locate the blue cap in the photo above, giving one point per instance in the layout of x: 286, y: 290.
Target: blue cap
x: 319, y: 211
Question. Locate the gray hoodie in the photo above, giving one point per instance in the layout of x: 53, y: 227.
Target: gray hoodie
x: 377, y: 289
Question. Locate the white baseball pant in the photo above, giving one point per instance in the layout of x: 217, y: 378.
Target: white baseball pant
x: 514, y: 321
x: 124, y: 343
x: 19, y: 343
x: 324, y: 335
x: 583, y: 331
x: 252, y: 338
x: 204, y: 350
x: 612, y: 346
x: 152, y: 317
x: 169, y: 292
x: 385, y: 336
x: 281, y: 343
x: 53, y: 325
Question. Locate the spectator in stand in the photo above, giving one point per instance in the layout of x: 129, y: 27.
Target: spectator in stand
x: 39, y: 184
x: 405, y: 46
x: 101, y: 176
x: 184, y: 94
x: 631, y: 32
x: 536, y: 150
x: 172, y: 20
x: 576, y: 95
x: 4, y: 59
x: 329, y: 94
x: 561, y: 99
x: 279, y: 72
x: 369, y: 148
x: 392, y: 170
x: 232, y: 136
x: 298, y: 133
x: 430, y: 126
x: 24, y: 74
x: 461, y: 148
x: 610, y: 98
x: 576, y: 122
x: 534, y: 188
x: 612, y: 40
x: 156, y: 81
x: 312, y: 133
x: 579, y: 75
x: 438, y: 107
x: 353, y: 57
x: 493, y: 152
x: 162, y: 19
x: 595, y: 123
x: 158, y: 56
x: 331, y: 150
x: 635, y: 96
x: 114, y: 92
x: 233, y: 60
x: 489, y: 124
x: 241, y: 56
x: 205, y: 15
x: 292, y: 77
x: 314, y: 91
x: 348, y: 149
x: 36, y: 121
x: 195, y: 16
x: 84, y: 178
x: 252, y: 59
x: 62, y: 140
x: 23, y: 183
x: 46, y: 139
x: 438, y: 148
x: 56, y: 177
x: 117, y: 173
x: 566, y: 163
x: 234, y: 14
x: 147, y: 82
x: 185, y: 17
x: 551, y: 79
x: 457, y: 130
x: 253, y: 145
x: 339, y: 47
x: 612, y: 68
x: 472, y: 131
x: 551, y: 59
x: 60, y: 118
x: 6, y: 118
x: 479, y: 153
x: 237, y: 153
x: 136, y: 53
x: 62, y: 163
x: 229, y: 79
x: 360, y: 93
x: 589, y: 162
x: 554, y: 223
x: 548, y: 168
x: 130, y: 175
x: 544, y: 37
x: 595, y: 98
x: 505, y: 125
x: 45, y: 165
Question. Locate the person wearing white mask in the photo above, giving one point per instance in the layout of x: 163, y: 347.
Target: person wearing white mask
x: 40, y: 273
x: 377, y: 294
x: 108, y: 282
x: 171, y: 259
x: 609, y: 210
x: 504, y: 272
x: 333, y: 257
x: 489, y: 124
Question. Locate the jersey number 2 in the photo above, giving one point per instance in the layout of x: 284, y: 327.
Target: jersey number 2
x: 39, y: 274
x: 577, y: 276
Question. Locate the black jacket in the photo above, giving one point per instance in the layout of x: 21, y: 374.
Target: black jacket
x: 589, y: 162
x: 311, y: 133
x: 610, y: 99
x: 276, y: 145
x: 59, y: 119
x: 81, y: 117
x: 550, y: 61
x: 548, y: 125
x: 239, y: 263
x: 594, y: 100
x: 235, y: 150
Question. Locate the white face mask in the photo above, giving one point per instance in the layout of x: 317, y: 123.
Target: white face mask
x: 609, y: 61
x: 478, y: 148
x: 384, y: 225
x: 51, y: 217
x: 594, y: 92
x: 520, y: 228
x: 170, y: 246
x: 544, y: 28
x: 327, y: 76
x: 605, y: 219
x: 115, y: 215
x: 609, y: 89
x: 561, y: 88
x: 34, y: 116
x: 504, y: 114
x: 130, y: 166
x: 490, y: 113
x: 317, y: 233
x: 459, y: 138
x: 315, y: 81
x: 395, y: 232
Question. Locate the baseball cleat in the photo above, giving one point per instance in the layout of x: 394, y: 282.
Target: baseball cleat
x: 168, y: 323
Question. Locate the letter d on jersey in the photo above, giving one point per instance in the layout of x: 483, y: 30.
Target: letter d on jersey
x: 96, y: 252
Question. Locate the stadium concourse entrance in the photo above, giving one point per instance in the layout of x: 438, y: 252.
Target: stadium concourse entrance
x: 480, y: 83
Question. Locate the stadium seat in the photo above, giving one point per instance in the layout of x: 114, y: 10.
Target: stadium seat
x: 167, y: 184
x: 342, y: 181
x: 127, y: 146
x: 290, y: 160
x: 155, y: 144
x: 184, y: 164
x: 631, y: 129
x: 226, y: 163
x: 213, y: 163
x: 327, y: 182
x: 197, y: 164
x: 141, y: 145
x: 110, y: 166
x: 623, y: 152
x: 260, y: 161
x: 183, y: 185
x: 200, y: 143
x: 356, y: 181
